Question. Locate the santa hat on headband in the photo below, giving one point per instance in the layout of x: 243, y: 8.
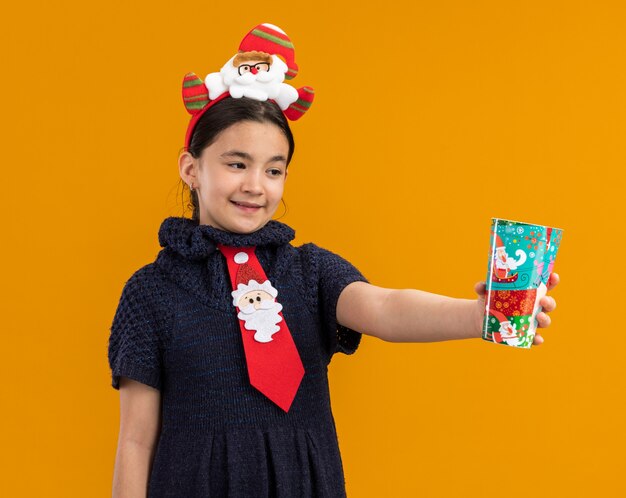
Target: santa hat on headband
x: 273, y: 40
x: 265, y: 59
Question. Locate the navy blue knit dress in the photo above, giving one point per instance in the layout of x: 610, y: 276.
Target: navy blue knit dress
x: 176, y: 329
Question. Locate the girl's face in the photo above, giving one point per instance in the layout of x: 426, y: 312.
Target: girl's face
x: 240, y: 177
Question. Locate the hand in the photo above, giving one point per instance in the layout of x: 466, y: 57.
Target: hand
x: 543, y: 320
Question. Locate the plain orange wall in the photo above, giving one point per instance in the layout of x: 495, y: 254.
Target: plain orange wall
x: 429, y: 119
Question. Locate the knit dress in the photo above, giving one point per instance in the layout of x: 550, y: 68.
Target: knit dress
x: 176, y: 329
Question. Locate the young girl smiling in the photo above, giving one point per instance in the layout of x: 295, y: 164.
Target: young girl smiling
x: 220, y: 347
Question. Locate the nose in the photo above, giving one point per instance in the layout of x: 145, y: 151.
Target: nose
x: 254, y: 70
x: 251, y: 182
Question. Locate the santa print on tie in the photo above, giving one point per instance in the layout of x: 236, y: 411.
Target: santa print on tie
x: 274, y: 365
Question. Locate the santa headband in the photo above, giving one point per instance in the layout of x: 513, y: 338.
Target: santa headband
x: 265, y: 59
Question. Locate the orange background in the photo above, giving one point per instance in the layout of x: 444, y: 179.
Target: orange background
x: 429, y: 119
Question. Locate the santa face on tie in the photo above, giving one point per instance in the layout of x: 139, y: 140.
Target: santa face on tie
x: 258, y: 308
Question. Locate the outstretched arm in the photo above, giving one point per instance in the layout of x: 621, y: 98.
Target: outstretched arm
x: 409, y: 315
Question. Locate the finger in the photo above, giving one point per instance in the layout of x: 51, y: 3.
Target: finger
x: 480, y: 288
x: 553, y: 281
x: 543, y: 320
x: 548, y: 303
x: 538, y: 340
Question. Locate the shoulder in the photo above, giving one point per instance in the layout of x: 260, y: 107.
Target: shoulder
x: 332, y: 274
x: 148, y: 276
x: 146, y: 309
x: 324, y: 260
x: 314, y: 254
x: 140, y: 328
x: 312, y: 248
x: 145, y: 274
x: 147, y: 287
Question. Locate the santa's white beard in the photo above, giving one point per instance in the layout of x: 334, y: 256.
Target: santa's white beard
x: 511, y: 263
x: 262, y: 320
x: 509, y: 334
x: 248, y: 79
x: 501, y: 264
x: 512, y: 341
x: 261, y: 86
x: 508, y: 331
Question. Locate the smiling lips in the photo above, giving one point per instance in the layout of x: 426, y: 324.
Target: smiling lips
x: 247, y: 206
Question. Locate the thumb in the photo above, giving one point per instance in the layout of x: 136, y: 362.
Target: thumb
x: 480, y: 288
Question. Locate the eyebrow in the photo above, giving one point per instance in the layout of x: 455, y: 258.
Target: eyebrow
x: 245, y: 155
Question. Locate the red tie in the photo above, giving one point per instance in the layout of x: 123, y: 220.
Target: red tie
x: 274, y: 365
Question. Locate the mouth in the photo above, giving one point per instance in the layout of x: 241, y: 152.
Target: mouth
x: 247, y: 206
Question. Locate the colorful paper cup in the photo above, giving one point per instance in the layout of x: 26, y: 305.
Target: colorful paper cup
x: 521, y: 259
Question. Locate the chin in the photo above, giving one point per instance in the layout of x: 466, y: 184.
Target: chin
x: 237, y: 223
x: 246, y: 227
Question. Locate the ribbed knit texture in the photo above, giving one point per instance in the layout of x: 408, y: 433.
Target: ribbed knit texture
x: 175, y: 329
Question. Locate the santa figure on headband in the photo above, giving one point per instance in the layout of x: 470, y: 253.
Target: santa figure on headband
x: 266, y: 58
x: 256, y: 75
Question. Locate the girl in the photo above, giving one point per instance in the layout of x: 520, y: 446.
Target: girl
x: 220, y: 347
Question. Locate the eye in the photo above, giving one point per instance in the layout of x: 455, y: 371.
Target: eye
x: 251, y: 301
x: 244, y: 68
x: 237, y: 165
x: 258, y: 299
x: 275, y: 172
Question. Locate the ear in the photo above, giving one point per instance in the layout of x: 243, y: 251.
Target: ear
x: 187, y: 168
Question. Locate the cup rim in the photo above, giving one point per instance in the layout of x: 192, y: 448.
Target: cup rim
x: 526, y: 223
